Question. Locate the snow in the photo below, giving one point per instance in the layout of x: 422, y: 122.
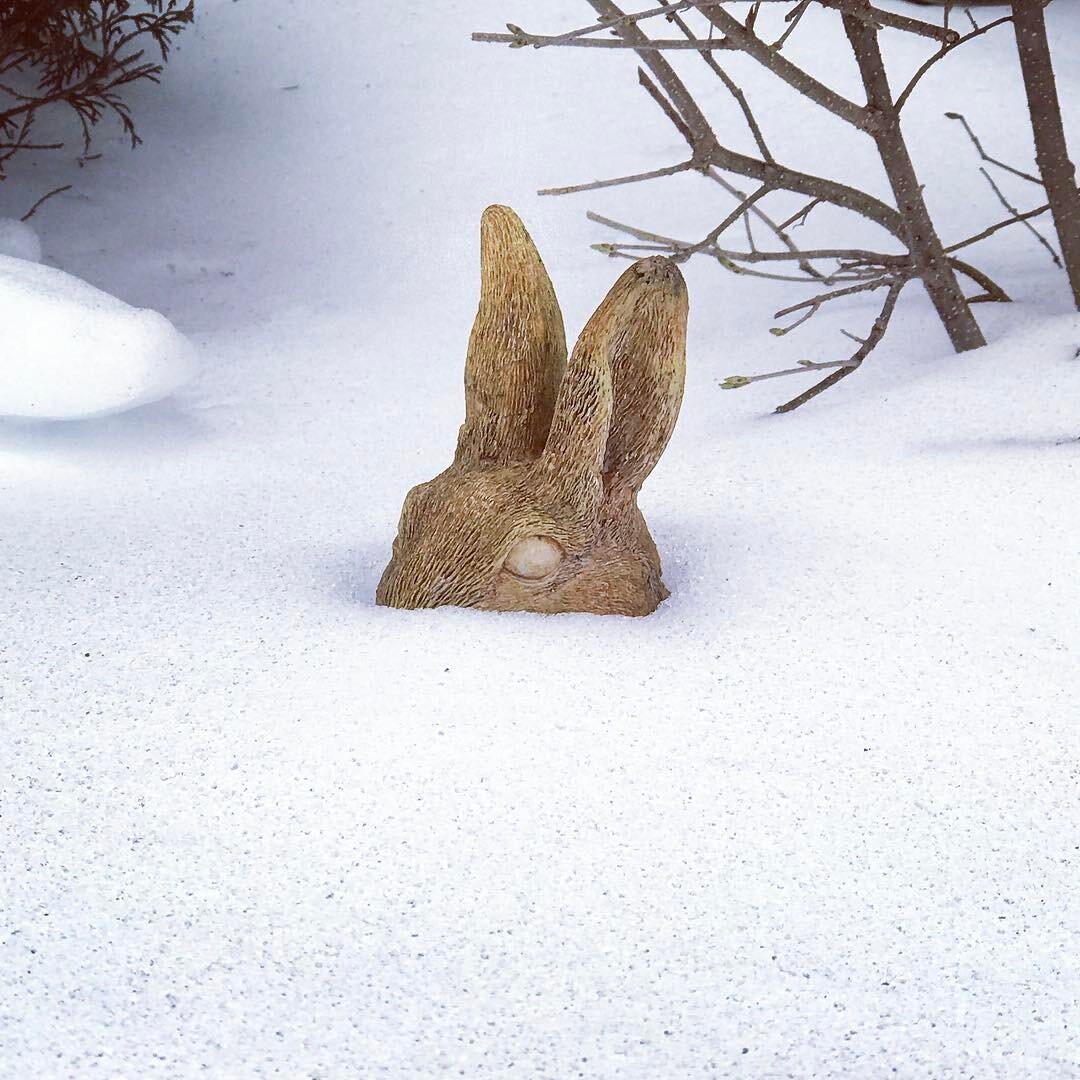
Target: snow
x: 19, y: 240
x: 817, y: 816
x: 71, y: 351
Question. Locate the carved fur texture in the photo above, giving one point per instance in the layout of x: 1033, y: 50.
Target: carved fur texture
x: 538, y: 511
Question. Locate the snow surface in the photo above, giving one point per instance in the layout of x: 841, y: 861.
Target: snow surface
x: 817, y: 816
x: 71, y: 351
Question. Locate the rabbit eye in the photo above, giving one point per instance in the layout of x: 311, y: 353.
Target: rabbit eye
x: 534, y: 557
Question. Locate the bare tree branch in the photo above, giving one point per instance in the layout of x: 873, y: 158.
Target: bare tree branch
x: 877, y: 17
x: 853, y: 270
x: 856, y: 115
x: 877, y: 332
x: 921, y: 238
x: 732, y: 87
x: 1051, y: 148
x: 992, y: 291
x: 708, y: 150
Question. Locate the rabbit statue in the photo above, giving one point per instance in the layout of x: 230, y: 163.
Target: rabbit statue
x: 539, y: 510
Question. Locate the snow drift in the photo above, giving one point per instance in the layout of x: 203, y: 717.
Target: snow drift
x: 19, y: 240
x: 70, y: 350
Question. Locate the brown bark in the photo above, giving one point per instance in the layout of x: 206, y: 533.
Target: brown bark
x: 1051, y: 151
x: 927, y: 251
x: 708, y: 150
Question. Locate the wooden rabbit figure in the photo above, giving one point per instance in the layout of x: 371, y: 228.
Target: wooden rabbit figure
x: 539, y: 510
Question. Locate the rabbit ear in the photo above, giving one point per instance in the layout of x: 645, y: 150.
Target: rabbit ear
x: 517, y: 349
x: 648, y: 370
x: 576, y: 446
x: 623, y: 386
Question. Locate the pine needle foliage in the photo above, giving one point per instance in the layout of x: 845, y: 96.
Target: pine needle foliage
x: 81, y: 54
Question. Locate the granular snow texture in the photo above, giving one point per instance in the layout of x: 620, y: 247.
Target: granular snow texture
x: 816, y: 817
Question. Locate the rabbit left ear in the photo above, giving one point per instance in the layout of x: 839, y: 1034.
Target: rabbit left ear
x: 517, y: 349
x: 623, y: 387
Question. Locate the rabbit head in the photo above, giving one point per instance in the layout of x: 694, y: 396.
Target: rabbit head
x: 539, y: 510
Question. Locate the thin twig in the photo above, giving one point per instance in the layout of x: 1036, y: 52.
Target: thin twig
x: 1019, y: 217
x: 778, y: 230
x: 594, y: 185
x: 985, y: 156
x: 816, y: 301
x: 856, y: 255
x: 31, y: 146
x: 730, y: 259
x: 540, y: 41
x: 792, y: 18
x: 730, y: 85
x: 669, y: 111
x: 942, y: 53
x: 800, y: 215
x: 735, y: 214
x: 48, y: 195
x: 623, y: 20
x: 877, y: 332
x: 990, y: 230
x: 750, y: 243
x: 736, y: 382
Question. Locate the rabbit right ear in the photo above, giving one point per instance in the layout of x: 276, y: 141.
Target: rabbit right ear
x: 649, y: 370
x: 574, y: 454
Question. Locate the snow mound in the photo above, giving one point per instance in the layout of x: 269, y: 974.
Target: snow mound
x: 70, y: 350
x: 19, y: 240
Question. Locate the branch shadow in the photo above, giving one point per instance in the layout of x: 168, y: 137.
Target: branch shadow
x: 1000, y: 443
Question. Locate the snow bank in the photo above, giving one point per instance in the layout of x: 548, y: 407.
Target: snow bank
x: 19, y: 240
x: 70, y: 350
